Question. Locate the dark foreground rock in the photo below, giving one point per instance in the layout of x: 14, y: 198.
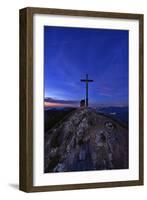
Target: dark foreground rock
x: 86, y: 140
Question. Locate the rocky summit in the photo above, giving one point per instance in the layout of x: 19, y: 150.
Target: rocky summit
x: 86, y: 140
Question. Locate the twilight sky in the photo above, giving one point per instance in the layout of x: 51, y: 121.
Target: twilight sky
x: 71, y: 53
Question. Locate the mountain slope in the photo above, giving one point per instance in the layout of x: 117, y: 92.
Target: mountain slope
x: 86, y: 140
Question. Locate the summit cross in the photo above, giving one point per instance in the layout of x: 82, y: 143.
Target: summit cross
x: 86, y: 81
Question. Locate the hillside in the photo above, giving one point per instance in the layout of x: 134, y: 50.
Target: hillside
x: 86, y: 140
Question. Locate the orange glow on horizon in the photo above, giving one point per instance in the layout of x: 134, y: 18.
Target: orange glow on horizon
x: 52, y: 104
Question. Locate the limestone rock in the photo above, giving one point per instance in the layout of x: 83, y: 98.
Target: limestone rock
x: 84, y: 141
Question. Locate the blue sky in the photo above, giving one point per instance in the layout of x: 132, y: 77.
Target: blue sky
x: 71, y: 53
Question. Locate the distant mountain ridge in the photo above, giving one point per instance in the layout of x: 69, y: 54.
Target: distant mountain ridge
x: 120, y: 114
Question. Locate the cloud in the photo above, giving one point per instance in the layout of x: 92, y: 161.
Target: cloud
x: 104, y: 90
x: 105, y: 94
x: 50, y: 102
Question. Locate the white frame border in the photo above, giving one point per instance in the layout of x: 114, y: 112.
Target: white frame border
x: 41, y: 179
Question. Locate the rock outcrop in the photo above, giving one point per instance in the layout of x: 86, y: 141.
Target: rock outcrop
x: 86, y: 140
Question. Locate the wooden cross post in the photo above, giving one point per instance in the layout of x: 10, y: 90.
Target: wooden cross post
x: 86, y: 81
